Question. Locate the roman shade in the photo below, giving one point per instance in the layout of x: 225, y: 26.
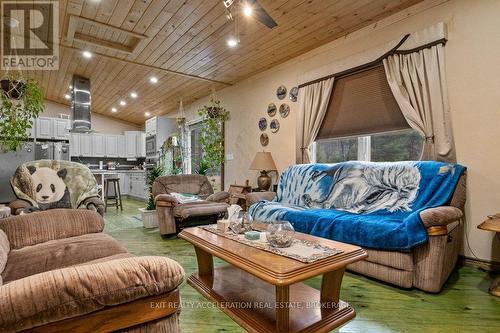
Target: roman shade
x: 361, y: 103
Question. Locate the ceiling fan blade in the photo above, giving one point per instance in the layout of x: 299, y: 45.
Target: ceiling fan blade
x: 261, y: 15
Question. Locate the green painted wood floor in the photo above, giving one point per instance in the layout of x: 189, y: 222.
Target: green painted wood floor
x: 463, y: 306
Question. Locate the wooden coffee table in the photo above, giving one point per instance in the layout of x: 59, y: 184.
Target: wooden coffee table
x: 263, y: 292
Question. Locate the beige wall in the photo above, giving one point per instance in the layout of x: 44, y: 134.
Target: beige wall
x: 473, y: 70
x: 100, y: 123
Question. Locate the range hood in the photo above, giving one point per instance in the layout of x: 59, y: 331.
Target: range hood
x: 80, y: 104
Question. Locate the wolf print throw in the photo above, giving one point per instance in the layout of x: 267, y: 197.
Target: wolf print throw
x: 360, y: 187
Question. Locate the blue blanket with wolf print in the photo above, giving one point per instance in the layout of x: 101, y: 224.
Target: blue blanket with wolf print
x: 374, y: 205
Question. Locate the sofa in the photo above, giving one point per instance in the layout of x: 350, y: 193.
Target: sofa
x: 60, y: 273
x: 174, y: 215
x: 424, y: 262
x: 49, y: 184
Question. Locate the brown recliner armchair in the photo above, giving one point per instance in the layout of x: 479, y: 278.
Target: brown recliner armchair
x: 60, y: 273
x: 173, y: 215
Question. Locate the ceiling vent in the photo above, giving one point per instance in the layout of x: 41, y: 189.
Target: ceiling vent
x: 99, y: 34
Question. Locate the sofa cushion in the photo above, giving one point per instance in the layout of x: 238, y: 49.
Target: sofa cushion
x: 60, y: 253
x: 395, y: 259
x: 4, y: 252
x: 79, y: 290
x: 200, y: 208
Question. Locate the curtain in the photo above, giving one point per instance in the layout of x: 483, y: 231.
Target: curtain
x: 313, y: 103
x: 418, y: 83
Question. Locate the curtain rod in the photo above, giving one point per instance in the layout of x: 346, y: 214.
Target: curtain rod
x: 375, y: 62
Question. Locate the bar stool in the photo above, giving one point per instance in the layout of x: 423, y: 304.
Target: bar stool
x: 114, y: 199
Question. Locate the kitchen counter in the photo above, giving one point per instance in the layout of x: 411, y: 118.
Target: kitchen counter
x: 99, y: 171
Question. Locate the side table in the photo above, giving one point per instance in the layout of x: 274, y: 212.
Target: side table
x: 493, y: 224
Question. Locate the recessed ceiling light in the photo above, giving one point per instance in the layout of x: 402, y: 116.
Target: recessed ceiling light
x: 147, y: 114
x: 153, y: 79
x: 113, y: 110
x: 87, y: 54
x: 123, y: 103
x: 232, y: 42
x: 70, y: 87
x: 133, y: 94
x: 247, y: 10
x: 67, y: 96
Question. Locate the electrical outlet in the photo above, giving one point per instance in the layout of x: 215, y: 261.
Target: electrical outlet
x: 229, y: 157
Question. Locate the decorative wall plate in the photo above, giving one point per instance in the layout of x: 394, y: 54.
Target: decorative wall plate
x: 274, y: 126
x: 294, y: 93
x: 262, y: 124
x: 264, y: 139
x: 271, y: 109
x: 281, y: 92
x: 284, y: 110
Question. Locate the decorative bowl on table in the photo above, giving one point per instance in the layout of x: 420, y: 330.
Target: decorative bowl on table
x: 242, y: 224
x: 280, y: 234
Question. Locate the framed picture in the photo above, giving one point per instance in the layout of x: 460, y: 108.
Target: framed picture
x: 281, y: 92
x: 262, y: 124
x: 271, y: 109
x: 264, y: 139
x: 294, y: 94
x: 284, y: 110
x: 274, y: 126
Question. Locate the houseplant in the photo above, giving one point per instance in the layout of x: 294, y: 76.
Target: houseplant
x: 148, y: 214
x: 21, y: 101
x: 212, y: 140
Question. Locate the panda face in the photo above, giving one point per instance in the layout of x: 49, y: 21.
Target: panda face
x: 49, y: 184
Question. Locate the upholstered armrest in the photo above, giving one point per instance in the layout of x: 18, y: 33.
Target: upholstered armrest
x: 258, y: 196
x: 18, y: 205
x: 78, y: 290
x: 94, y: 204
x: 166, y: 200
x: 222, y: 196
x: 40, y: 227
x: 440, y: 216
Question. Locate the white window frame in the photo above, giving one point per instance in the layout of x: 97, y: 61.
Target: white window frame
x: 364, y: 145
x: 187, y: 139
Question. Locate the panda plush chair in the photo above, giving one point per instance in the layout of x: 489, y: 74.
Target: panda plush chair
x: 47, y: 184
x: 50, y: 189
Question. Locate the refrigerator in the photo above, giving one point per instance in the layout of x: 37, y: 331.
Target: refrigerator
x: 52, y: 151
x: 9, y: 162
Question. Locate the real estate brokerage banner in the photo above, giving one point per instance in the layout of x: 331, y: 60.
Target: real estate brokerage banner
x: 30, y: 35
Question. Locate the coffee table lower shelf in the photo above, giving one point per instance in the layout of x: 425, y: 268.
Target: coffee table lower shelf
x: 251, y: 302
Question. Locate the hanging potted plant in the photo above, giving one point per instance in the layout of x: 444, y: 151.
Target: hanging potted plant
x: 148, y: 214
x: 21, y: 101
x: 212, y: 140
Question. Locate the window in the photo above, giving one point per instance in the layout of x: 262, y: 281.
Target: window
x: 363, y: 122
x: 194, y: 155
x: 405, y: 145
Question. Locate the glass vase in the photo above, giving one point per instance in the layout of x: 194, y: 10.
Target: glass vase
x: 280, y: 234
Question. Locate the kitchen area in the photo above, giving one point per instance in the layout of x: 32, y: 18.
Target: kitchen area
x: 68, y: 135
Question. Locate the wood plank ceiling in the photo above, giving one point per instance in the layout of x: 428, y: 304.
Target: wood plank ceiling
x: 189, y: 37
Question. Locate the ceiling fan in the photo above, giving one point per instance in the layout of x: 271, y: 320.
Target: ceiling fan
x: 250, y: 8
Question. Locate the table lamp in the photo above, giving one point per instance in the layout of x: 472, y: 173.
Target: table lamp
x: 263, y: 162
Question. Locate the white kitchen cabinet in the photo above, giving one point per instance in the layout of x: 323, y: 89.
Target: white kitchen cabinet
x: 135, y: 144
x: 124, y: 183
x: 141, y: 144
x: 111, y: 143
x: 98, y: 145
x: 150, y: 126
x: 138, y: 185
x: 74, y: 144
x: 44, y: 128
x: 121, y: 146
x: 60, y: 128
x: 85, y: 145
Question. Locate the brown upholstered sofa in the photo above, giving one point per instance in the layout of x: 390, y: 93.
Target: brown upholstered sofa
x: 427, y: 266
x: 173, y: 215
x: 60, y: 273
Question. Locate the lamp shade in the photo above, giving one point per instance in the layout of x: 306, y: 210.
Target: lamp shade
x: 263, y: 161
